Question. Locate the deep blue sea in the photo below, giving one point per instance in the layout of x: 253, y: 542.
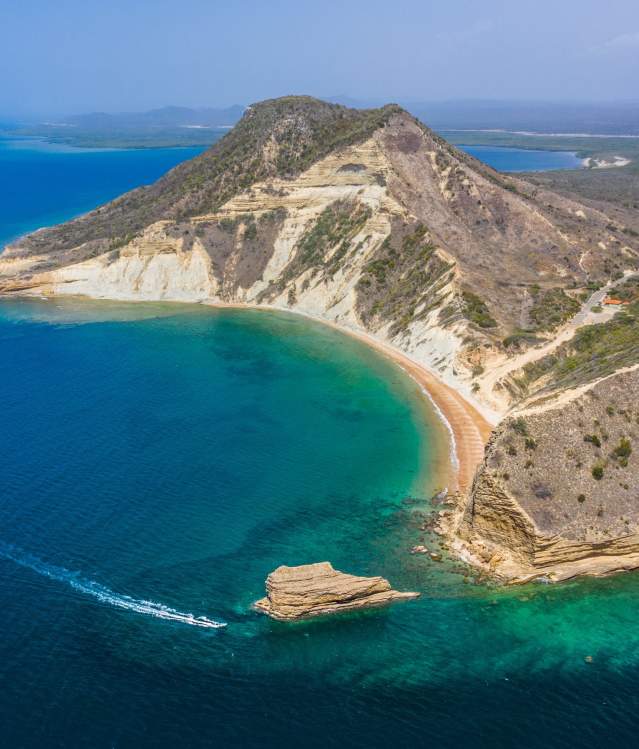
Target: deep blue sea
x: 43, y: 184
x: 158, y: 461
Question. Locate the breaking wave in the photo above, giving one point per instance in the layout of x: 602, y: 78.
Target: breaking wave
x: 103, y: 594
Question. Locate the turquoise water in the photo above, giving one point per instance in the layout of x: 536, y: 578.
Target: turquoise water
x: 43, y: 184
x: 157, y: 461
x: 523, y: 159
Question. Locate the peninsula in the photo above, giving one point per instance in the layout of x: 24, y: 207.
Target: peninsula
x: 490, y: 290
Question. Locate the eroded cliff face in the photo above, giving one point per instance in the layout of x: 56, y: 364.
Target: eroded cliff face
x: 365, y: 219
x: 558, y: 492
x: 322, y: 243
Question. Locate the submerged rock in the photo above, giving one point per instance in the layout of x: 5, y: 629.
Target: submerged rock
x: 419, y: 549
x: 318, y: 589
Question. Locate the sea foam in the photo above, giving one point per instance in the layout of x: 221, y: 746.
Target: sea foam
x: 102, y: 593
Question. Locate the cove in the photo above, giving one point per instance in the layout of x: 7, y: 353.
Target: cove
x: 175, y: 455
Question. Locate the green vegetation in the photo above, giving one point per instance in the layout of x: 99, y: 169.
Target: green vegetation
x: 335, y: 228
x: 594, y: 351
x: 276, y: 138
x: 622, y: 451
x: 476, y: 311
x: 593, y: 439
x: 332, y: 232
x: 519, y: 425
x: 597, y: 471
x: 551, y: 308
x: 401, y: 283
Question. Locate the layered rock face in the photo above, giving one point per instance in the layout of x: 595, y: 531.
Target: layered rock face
x: 317, y: 589
x: 365, y: 218
x: 558, y: 493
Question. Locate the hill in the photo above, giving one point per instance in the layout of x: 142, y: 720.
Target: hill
x: 368, y: 219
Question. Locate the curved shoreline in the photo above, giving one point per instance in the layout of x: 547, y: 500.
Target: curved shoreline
x: 468, y: 430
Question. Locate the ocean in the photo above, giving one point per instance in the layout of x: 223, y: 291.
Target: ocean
x: 157, y: 461
x: 43, y: 183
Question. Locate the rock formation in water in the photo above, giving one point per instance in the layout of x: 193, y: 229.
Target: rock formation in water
x: 368, y: 219
x: 317, y: 589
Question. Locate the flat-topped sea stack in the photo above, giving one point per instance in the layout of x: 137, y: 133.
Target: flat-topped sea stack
x: 317, y: 589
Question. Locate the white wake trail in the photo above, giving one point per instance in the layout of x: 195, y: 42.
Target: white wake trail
x: 103, y: 594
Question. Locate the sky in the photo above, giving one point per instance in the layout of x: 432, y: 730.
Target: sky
x: 72, y: 56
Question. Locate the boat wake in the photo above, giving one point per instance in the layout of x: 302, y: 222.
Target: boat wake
x: 103, y: 594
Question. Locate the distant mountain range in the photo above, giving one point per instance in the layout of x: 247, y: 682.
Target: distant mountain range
x: 180, y: 126
x: 613, y: 118
x: 166, y: 117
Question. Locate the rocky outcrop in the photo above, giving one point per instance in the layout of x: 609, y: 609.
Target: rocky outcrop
x: 317, y: 589
x: 557, y: 493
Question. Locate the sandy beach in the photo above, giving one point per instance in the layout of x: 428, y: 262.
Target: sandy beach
x: 469, y: 430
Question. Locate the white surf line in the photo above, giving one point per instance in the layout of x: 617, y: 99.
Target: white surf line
x: 102, y: 593
x: 454, y: 458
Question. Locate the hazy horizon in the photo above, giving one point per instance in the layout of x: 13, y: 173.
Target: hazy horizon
x: 346, y: 100
x: 87, y: 56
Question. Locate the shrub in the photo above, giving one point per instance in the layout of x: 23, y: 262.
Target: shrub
x: 477, y: 311
x: 551, y: 308
x: 597, y: 471
x: 593, y: 439
x: 520, y: 426
x: 622, y: 452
